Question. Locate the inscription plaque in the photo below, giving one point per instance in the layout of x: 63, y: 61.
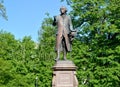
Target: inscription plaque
x: 64, y: 74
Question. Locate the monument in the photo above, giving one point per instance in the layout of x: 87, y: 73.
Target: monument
x: 64, y: 71
x: 64, y: 34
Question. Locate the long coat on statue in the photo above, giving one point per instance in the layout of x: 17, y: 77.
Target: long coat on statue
x: 64, y: 27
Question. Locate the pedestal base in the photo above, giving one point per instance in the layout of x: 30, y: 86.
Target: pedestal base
x: 64, y: 74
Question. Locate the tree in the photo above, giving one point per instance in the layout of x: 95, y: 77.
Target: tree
x: 7, y: 49
x: 2, y: 10
x: 47, y: 38
x: 46, y: 51
x: 18, y: 61
x: 98, y: 25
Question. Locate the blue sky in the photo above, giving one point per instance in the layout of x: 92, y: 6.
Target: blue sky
x: 25, y: 16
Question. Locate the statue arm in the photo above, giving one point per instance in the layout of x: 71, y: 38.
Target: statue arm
x: 54, y: 21
x: 70, y: 25
x: 72, y: 31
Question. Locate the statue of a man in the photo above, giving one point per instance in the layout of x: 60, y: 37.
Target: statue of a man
x: 63, y: 35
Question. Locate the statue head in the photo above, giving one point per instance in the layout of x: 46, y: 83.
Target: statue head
x: 63, y: 9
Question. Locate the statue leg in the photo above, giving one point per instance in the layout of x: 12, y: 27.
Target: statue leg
x: 64, y: 50
x: 58, y: 46
x: 58, y: 55
x: 64, y: 54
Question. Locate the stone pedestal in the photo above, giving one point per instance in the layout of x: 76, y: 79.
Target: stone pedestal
x: 64, y: 74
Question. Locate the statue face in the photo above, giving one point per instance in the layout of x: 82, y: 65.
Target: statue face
x: 63, y: 10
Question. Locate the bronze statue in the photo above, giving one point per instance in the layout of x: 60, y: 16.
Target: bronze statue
x: 65, y: 33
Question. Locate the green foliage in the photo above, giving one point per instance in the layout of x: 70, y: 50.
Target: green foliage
x: 97, y: 52
x: 5, y: 72
x: 22, y: 61
x: 47, y: 39
x: 21, y: 64
x: 46, y: 51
